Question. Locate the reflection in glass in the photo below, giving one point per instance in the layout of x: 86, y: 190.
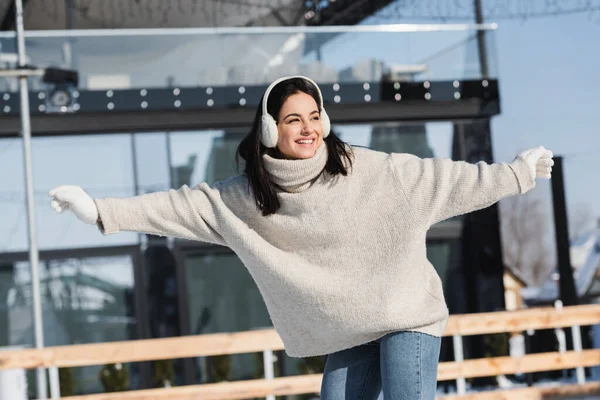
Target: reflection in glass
x: 101, y: 164
x: 221, y: 163
x: 13, y: 235
x: 209, y: 156
x: 84, y: 300
x: 245, y: 58
x: 223, y: 297
x: 421, y: 139
x: 151, y: 162
x: 402, y: 139
x: 162, y: 304
x: 190, y: 154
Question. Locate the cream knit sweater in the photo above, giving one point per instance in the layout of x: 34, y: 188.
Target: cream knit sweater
x: 343, y: 261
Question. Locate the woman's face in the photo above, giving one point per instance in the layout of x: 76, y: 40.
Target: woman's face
x: 299, y: 127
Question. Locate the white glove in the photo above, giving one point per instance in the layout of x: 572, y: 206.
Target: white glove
x: 539, y: 161
x: 75, y: 199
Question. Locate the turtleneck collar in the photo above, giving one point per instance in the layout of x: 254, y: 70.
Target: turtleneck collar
x: 296, y: 175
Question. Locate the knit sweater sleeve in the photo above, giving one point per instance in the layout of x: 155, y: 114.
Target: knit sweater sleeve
x: 184, y: 213
x: 438, y: 188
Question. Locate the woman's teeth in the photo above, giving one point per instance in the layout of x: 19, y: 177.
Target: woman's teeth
x: 305, y: 141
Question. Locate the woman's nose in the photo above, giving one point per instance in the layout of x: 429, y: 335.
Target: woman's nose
x: 306, y: 129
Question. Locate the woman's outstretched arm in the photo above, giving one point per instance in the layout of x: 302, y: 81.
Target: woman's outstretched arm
x: 184, y: 213
x: 438, y: 188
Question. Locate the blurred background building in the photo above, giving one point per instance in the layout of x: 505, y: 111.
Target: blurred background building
x: 159, y: 108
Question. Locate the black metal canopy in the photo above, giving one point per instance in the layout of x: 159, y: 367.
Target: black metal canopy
x: 190, y: 108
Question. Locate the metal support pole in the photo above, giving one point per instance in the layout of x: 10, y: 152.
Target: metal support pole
x: 268, y: 360
x: 567, y: 288
x: 481, y: 45
x: 577, y: 346
x: 54, y: 383
x: 42, y: 393
x: 561, y: 337
x: 461, y: 383
x: 528, y: 340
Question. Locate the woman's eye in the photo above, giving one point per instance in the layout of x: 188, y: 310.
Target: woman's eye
x: 316, y: 118
x: 293, y: 120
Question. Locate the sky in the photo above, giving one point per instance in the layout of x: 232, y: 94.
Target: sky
x: 548, y: 88
x: 550, y: 98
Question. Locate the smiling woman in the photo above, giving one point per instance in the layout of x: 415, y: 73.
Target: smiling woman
x: 334, y: 237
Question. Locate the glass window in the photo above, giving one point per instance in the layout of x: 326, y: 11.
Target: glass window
x: 431, y: 139
x: 209, y: 156
x: 100, y: 164
x: 178, y: 59
x: 445, y: 255
x: 151, y: 162
x: 222, y: 297
x: 84, y: 300
x: 13, y: 229
x: 206, y: 156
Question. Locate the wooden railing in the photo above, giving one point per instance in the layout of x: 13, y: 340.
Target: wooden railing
x: 268, y: 341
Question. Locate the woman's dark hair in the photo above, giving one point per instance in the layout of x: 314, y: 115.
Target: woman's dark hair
x: 251, y: 149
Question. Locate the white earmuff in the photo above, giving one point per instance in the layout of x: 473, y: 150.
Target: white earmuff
x: 269, y: 134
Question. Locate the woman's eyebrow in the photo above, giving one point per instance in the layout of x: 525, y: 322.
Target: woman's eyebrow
x: 298, y: 115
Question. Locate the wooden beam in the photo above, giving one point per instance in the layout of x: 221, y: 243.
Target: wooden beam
x: 257, y: 341
x: 220, y: 391
x: 521, y: 320
x: 514, y: 365
x: 143, y: 350
x: 532, y: 393
x: 312, y: 383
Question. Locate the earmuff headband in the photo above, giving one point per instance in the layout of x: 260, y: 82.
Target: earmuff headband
x: 285, y: 78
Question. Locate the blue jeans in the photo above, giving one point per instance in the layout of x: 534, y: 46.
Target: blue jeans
x: 401, y: 364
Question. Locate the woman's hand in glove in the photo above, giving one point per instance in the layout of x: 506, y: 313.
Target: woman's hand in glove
x: 539, y: 161
x: 75, y: 199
